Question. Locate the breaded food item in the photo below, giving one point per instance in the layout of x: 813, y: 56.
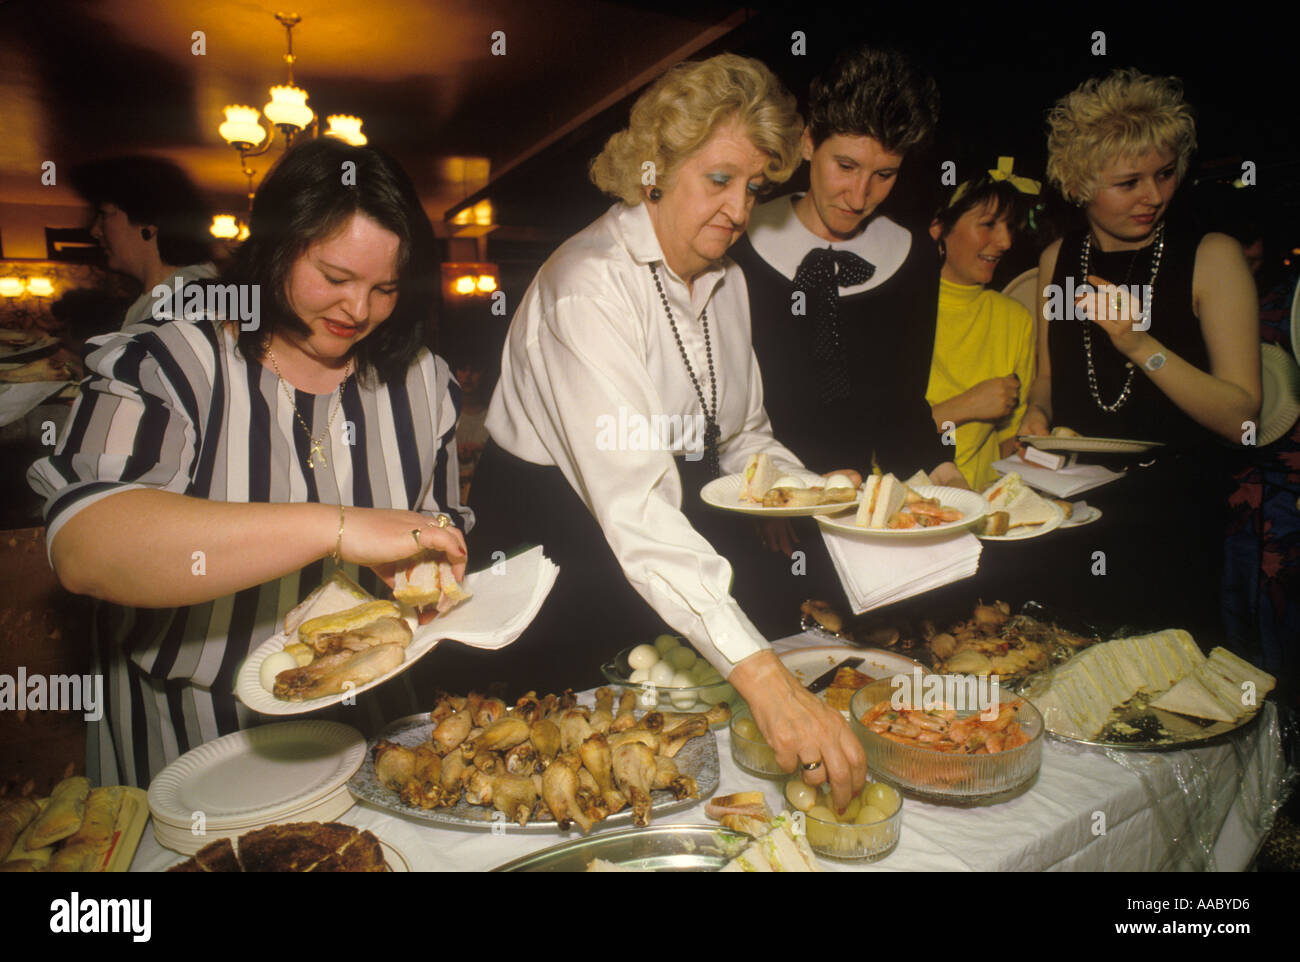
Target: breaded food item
x: 346, y: 620
x: 85, y: 850
x: 15, y: 815
x: 296, y: 847
x: 63, y: 816
x: 847, y: 681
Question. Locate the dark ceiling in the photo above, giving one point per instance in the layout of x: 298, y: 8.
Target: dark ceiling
x: 91, y: 77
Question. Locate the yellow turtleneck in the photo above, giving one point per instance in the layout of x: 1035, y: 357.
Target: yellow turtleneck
x: 980, y: 334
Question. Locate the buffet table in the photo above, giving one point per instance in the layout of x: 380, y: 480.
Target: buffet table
x: 1090, y: 809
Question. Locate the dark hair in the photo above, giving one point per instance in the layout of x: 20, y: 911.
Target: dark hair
x: 1009, y: 203
x: 308, y: 196
x: 874, y: 93
x: 150, y: 190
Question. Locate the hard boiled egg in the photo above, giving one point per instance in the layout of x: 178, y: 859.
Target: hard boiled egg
x: 642, y: 656
x: 789, y: 482
x: 839, y: 481
x: 275, y: 663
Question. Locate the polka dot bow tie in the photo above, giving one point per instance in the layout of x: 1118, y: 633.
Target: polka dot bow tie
x: 820, y: 276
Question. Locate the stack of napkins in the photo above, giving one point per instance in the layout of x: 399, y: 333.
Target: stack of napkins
x: 1065, y: 483
x: 880, y: 571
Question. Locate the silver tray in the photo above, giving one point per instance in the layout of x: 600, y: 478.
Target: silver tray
x: 656, y: 848
x: 698, y: 759
x: 1155, y: 730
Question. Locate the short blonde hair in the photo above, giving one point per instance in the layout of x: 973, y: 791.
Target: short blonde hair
x: 678, y: 114
x: 1122, y: 115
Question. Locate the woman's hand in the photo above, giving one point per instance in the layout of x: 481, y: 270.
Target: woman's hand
x: 948, y: 475
x: 1113, y: 310
x: 369, y: 532
x: 778, y: 535
x: 801, y: 728
x: 995, y: 398
x: 1035, y: 423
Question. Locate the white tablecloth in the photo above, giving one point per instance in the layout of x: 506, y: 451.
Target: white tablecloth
x: 1089, y: 809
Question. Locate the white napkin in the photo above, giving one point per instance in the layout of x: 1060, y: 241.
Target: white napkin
x: 507, y: 597
x: 879, y: 571
x: 17, y: 399
x: 1064, y: 483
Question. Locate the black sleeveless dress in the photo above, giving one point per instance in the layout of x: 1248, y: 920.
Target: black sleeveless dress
x: 1162, y: 526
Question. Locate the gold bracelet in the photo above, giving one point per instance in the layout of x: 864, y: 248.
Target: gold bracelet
x: 338, y: 545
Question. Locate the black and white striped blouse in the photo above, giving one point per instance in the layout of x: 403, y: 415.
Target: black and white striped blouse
x: 173, y: 406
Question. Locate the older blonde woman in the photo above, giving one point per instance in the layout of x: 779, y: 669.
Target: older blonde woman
x: 641, y: 319
x: 1164, y: 345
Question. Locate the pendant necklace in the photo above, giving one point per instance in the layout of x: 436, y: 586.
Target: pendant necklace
x: 317, y: 449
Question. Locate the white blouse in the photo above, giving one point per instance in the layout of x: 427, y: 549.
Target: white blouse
x: 590, y: 348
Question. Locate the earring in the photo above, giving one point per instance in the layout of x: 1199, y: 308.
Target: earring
x: 656, y: 193
x: 943, y: 251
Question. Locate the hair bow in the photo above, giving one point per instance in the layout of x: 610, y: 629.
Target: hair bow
x: 1001, y: 172
x: 1022, y: 184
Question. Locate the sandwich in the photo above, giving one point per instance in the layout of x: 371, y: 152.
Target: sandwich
x: 429, y: 582
x: 882, y: 496
x: 1023, y: 506
x: 760, y: 476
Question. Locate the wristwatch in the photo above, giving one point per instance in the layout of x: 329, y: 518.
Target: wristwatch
x: 1155, y: 362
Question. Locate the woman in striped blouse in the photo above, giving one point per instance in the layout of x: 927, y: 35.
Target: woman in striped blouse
x: 209, y: 469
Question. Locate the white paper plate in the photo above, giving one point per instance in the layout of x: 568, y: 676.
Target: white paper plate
x: 257, y: 776
x: 1036, y: 531
x: 1094, y: 445
x: 970, y: 503
x: 809, y: 664
x: 1073, y: 522
x: 724, y: 493
x: 1280, y: 380
x: 485, y: 585
x: 182, y: 839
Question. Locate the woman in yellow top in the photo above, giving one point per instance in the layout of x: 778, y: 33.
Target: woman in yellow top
x: 984, y: 342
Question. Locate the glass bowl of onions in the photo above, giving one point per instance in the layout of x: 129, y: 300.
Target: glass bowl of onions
x: 750, y: 749
x: 670, y: 675
x: 868, y: 828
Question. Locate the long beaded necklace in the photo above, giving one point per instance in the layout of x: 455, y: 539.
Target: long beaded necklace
x: 711, y: 431
x: 1144, y: 316
x: 317, y: 444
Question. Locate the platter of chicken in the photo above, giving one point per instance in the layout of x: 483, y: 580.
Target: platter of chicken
x: 541, y: 764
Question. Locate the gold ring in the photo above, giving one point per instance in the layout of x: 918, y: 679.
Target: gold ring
x: 812, y: 766
x: 415, y: 533
x: 440, y: 521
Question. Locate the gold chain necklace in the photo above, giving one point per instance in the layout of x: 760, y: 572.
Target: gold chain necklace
x: 317, y: 445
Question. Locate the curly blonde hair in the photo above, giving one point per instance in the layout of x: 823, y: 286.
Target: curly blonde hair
x: 678, y: 114
x: 1118, y: 116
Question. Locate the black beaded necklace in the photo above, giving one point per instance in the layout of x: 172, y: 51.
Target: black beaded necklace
x: 711, y: 431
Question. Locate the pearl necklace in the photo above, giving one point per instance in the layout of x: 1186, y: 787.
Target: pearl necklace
x: 317, y: 449
x: 1144, y: 316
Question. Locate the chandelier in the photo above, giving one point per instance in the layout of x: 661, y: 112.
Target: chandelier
x: 286, y: 111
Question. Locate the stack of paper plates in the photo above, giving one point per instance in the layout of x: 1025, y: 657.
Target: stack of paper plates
x: 287, y: 772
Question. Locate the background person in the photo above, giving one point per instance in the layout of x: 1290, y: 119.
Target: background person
x: 984, y: 342
x: 151, y: 222
x: 1118, y: 147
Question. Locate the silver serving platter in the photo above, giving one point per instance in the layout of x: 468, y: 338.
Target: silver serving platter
x: 698, y: 759
x: 1153, y: 729
x: 656, y: 848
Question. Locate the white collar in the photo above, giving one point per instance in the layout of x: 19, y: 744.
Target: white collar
x: 637, y: 232
x: 781, y: 239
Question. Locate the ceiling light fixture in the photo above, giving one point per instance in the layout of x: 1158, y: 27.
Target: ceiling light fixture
x: 286, y: 111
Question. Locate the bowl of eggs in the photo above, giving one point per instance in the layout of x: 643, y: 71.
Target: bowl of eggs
x: 670, y: 675
x: 868, y: 828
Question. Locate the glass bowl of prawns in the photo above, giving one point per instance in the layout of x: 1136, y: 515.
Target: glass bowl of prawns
x: 960, y: 739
